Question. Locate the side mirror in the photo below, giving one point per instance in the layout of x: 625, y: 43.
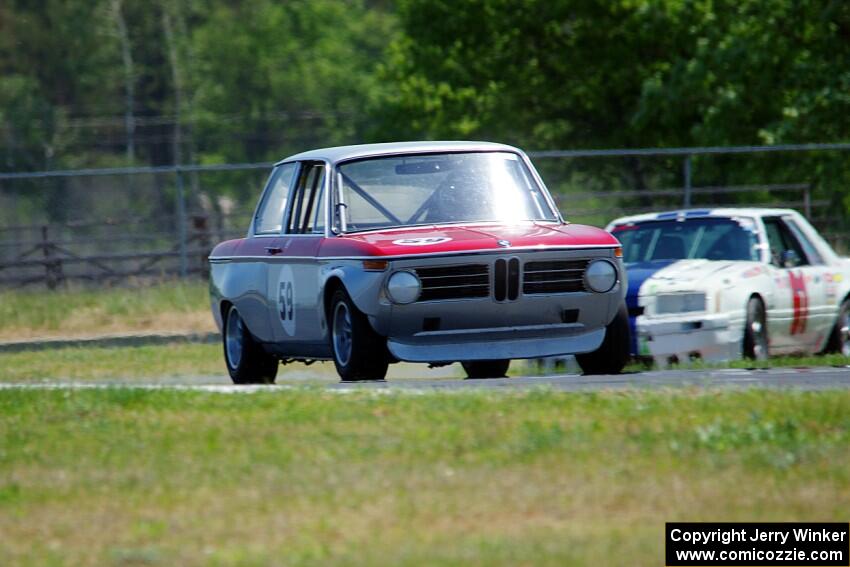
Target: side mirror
x: 790, y: 259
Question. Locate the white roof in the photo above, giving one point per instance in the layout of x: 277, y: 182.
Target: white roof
x: 343, y: 153
x: 705, y: 212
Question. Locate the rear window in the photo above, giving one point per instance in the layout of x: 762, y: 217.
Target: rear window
x: 706, y: 238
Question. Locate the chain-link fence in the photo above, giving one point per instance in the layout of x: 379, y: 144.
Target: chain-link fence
x: 117, y: 224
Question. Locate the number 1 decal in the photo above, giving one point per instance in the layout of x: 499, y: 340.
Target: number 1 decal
x: 286, y: 299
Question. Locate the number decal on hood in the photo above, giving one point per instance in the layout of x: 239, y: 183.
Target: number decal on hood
x: 423, y: 241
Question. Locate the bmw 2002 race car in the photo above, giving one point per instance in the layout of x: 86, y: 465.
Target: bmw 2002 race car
x: 432, y: 252
x: 725, y: 283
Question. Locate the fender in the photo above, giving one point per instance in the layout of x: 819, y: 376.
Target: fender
x: 239, y: 287
x: 361, y: 285
x: 841, y: 279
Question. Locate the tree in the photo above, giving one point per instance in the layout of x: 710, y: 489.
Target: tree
x: 623, y: 73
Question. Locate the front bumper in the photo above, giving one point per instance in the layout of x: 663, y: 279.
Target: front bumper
x: 533, y: 323
x: 710, y: 337
x: 532, y: 341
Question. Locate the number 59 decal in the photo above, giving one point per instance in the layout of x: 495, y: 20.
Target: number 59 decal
x: 286, y: 299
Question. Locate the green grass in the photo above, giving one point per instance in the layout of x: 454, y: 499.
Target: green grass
x: 164, y: 306
x: 308, y: 477
x: 92, y: 363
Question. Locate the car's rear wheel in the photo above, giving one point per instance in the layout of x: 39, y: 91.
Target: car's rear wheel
x: 359, y: 352
x: 613, y: 353
x: 247, y: 362
x: 755, y: 331
x: 839, y: 340
x: 486, y: 368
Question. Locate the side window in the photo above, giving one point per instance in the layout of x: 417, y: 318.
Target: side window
x: 780, y: 239
x: 811, y: 252
x: 306, y: 199
x: 774, y: 240
x: 270, y: 214
x: 319, y: 220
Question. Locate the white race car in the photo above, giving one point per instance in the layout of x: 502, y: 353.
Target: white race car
x: 719, y: 284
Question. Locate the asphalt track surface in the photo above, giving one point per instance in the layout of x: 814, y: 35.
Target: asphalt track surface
x: 821, y: 378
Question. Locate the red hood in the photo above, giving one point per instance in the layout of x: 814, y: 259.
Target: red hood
x: 467, y: 238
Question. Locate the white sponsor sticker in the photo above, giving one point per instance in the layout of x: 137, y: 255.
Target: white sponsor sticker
x: 286, y: 300
x: 424, y: 241
x: 746, y: 223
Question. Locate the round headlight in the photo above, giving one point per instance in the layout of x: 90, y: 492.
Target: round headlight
x: 600, y: 276
x: 403, y: 287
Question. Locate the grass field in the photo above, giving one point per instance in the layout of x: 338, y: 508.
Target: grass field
x: 170, y: 306
x: 305, y: 477
x: 90, y: 363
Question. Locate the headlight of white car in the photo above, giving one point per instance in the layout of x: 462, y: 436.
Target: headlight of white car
x: 403, y: 287
x: 600, y: 276
x: 666, y: 303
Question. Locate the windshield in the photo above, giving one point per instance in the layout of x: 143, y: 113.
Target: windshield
x: 710, y: 239
x: 439, y: 188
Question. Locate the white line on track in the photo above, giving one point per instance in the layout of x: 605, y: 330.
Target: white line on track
x: 782, y: 378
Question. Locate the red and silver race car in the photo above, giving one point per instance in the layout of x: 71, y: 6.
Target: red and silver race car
x: 433, y: 252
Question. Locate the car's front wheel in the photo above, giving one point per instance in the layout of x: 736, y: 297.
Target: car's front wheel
x: 247, y: 362
x: 613, y: 353
x: 486, y: 368
x: 755, y: 332
x: 839, y: 340
x: 359, y: 352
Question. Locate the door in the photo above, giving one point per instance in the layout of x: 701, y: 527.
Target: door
x: 294, y: 297
x: 821, y: 315
x: 251, y: 272
x: 796, y: 319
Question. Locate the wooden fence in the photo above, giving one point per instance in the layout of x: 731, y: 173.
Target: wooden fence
x: 58, y: 256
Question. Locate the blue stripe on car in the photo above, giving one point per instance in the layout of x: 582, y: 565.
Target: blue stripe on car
x: 638, y: 273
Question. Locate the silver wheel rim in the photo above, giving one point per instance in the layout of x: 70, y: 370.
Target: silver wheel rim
x: 342, y: 333
x: 759, y: 336
x: 844, y: 333
x: 233, y: 338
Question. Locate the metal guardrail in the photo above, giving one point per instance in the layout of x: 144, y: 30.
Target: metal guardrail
x: 622, y: 152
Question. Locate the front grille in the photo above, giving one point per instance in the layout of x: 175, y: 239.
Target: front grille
x: 679, y: 303
x: 554, y: 276
x: 506, y: 280
x: 454, y: 282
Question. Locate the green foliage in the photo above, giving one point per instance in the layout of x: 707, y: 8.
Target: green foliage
x: 623, y: 73
x: 630, y: 73
x: 210, y: 81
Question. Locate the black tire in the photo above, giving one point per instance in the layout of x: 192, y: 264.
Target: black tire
x: 613, y: 354
x: 755, y: 345
x: 363, y: 354
x: 247, y: 362
x: 839, y: 339
x: 486, y: 368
